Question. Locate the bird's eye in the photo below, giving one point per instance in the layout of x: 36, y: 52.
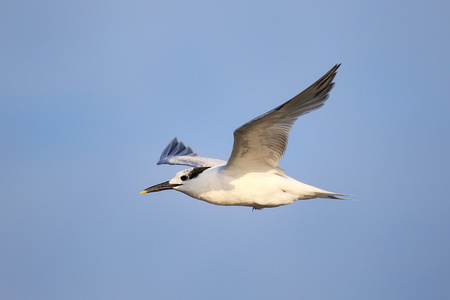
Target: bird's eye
x: 184, y: 178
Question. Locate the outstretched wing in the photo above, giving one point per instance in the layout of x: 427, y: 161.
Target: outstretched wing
x: 176, y: 153
x: 261, y: 143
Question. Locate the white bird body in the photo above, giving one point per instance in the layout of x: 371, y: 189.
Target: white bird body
x: 255, y: 189
x: 251, y: 177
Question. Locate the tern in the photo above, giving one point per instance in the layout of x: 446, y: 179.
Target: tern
x: 251, y: 176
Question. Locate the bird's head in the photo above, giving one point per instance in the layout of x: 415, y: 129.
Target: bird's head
x: 180, y: 182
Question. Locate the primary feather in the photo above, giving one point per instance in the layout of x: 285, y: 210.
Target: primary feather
x: 176, y: 153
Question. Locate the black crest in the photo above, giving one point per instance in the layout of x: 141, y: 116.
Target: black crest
x: 194, y: 173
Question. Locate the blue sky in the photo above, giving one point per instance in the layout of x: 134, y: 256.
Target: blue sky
x: 92, y: 91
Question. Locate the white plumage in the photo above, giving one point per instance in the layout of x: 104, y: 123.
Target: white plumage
x: 251, y: 177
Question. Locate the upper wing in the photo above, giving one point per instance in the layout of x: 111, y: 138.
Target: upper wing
x: 261, y: 143
x: 176, y: 153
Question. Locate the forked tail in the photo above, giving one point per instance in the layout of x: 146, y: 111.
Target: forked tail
x: 335, y: 196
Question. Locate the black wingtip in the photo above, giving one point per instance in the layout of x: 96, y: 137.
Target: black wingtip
x: 334, y: 69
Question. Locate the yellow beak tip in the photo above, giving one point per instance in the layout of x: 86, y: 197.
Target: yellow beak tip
x: 143, y: 192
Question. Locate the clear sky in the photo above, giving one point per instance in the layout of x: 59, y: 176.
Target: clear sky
x: 92, y: 91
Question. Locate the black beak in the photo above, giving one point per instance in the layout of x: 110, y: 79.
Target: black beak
x: 159, y: 187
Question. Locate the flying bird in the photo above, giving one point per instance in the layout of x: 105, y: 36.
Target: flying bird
x: 251, y: 176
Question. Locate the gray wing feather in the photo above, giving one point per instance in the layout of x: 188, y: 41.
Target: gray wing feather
x: 261, y: 143
x: 176, y: 153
